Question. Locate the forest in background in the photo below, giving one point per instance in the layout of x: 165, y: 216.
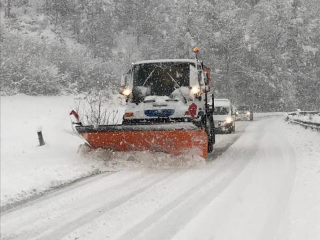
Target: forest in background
x: 263, y: 53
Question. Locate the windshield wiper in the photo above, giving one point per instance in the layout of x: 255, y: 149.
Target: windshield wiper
x: 148, y: 77
x: 176, y: 83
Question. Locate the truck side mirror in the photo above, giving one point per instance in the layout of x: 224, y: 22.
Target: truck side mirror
x: 123, y: 81
x: 126, y: 80
x: 193, y: 76
x: 201, y: 78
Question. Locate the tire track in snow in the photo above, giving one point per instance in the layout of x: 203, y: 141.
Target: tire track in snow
x: 66, y: 187
x: 61, y: 199
x: 60, y: 231
x: 167, y: 221
x: 166, y: 191
x: 45, y: 214
x: 254, y: 204
x: 177, y: 214
x: 280, y: 203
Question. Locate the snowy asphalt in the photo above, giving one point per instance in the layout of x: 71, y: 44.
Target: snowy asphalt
x: 240, y: 193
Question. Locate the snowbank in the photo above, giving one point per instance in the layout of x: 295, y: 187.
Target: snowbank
x: 27, y: 168
x: 302, y: 218
x: 307, y: 117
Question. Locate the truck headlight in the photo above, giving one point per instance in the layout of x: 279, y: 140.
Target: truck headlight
x: 228, y: 120
x: 126, y: 91
x: 195, y: 90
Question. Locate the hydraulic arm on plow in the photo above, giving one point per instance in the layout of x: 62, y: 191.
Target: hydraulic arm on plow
x: 167, y: 110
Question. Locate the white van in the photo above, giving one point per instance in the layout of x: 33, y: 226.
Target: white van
x: 224, y: 117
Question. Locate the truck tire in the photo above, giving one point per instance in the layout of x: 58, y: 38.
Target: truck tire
x: 211, y: 133
x: 214, y: 136
x: 210, y: 146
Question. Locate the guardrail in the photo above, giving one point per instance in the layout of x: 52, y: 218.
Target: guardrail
x: 307, y: 119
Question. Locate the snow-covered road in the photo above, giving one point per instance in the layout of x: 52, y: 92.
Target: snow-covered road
x: 246, y: 192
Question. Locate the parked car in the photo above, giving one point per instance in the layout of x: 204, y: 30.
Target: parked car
x: 224, y: 116
x: 244, y: 112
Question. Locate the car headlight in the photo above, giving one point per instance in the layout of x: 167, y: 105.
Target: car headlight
x: 228, y: 120
x: 248, y: 113
x: 126, y: 91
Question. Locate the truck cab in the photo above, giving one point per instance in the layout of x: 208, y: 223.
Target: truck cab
x: 165, y: 90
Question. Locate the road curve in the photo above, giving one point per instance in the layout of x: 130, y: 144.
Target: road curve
x: 240, y: 193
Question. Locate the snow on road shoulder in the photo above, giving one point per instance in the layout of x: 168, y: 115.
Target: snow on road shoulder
x: 307, y: 116
x: 302, y: 220
x: 28, y: 169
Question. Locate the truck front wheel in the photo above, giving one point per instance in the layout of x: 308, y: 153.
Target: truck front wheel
x: 211, y: 133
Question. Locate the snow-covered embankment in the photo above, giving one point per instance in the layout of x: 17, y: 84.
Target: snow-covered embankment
x: 28, y: 169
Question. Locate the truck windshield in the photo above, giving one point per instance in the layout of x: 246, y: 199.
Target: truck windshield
x: 161, y: 79
x: 221, y: 110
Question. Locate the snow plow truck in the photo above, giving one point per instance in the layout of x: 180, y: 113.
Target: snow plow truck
x: 166, y: 110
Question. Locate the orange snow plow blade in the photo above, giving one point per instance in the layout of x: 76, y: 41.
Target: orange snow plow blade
x: 173, y: 139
